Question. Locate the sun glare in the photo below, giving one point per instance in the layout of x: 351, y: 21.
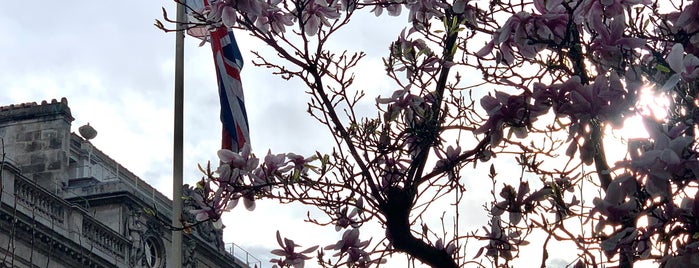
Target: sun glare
x: 650, y: 103
x: 653, y: 103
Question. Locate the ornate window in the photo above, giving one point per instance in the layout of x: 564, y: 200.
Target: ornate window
x: 153, y: 253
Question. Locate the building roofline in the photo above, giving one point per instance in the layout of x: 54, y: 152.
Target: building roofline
x: 32, y: 110
x: 125, y: 173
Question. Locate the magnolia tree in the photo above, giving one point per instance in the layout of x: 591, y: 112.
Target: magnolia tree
x: 555, y: 79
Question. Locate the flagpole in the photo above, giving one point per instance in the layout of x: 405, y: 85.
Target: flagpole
x: 177, y: 160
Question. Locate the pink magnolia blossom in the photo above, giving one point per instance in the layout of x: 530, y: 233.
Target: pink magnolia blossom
x: 505, y: 110
x: 519, y: 202
x: 605, y: 98
x: 621, y: 238
x: 392, y: 7
x: 448, y: 157
x: 227, y: 10
x: 301, y: 163
x: 345, y: 219
x: 208, y: 205
x: 555, y: 16
x: 447, y: 161
x: 316, y: 14
x: 686, y: 67
x: 549, y: 6
x: 234, y: 166
x: 514, y: 35
x: 424, y: 10
x: 686, y: 21
x: 244, y: 160
x: 610, y: 43
x: 351, y: 245
x: 501, y: 244
x: 272, y: 18
x: 688, y: 258
x: 221, y: 11
x: 528, y: 33
x: 392, y: 172
x: 203, y: 214
x: 275, y: 163
x: 485, y: 50
x: 512, y: 203
x: 610, y: 8
x: 668, y: 156
x: 290, y: 256
x: 618, y: 203
x: 404, y: 102
x: 228, y: 16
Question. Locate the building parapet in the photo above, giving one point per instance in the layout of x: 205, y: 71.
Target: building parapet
x: 30, y: 110
x: 105, y: 238
x: 69, y: 224
x: 43, y: 202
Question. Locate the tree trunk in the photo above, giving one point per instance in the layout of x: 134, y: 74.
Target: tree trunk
x: 397, y: 211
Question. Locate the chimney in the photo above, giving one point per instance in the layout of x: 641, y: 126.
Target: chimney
x: 36, y: 139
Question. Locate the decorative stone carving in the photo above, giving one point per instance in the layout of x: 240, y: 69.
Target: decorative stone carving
x: 87, y: 131
x: 147, y: 248
x: 136, y: 229
x: 190, y: 248
x: 205, y: 230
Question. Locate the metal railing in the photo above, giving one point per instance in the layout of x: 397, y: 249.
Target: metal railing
x: 243, y: 255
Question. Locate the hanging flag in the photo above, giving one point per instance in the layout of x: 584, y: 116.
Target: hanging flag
x: 229, y: 62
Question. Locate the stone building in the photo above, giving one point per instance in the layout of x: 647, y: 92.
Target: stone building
x: 67, y: 204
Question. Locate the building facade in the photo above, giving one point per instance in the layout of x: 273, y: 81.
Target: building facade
x: 67, y: 204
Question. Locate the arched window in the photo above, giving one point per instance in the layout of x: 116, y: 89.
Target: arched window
x: 153, y: 253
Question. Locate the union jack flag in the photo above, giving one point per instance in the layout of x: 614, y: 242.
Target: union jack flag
x: 229, y: 62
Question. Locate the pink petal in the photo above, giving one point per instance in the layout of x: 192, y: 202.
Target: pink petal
x: 312, y: 25
x: 278, y: 252
x: 486, y: 49
x: 231, y: 204
x: 226, y: 155
x: 249, y: 204
x: 675, y: 58
x: 393, y: 10
x: 279, y: 239
x: 309, y: 250
x: 670, y: 157
x: 228, y: 16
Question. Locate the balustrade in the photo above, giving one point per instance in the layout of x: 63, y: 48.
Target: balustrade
x: 104, y: 238
x: 43, y: 202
